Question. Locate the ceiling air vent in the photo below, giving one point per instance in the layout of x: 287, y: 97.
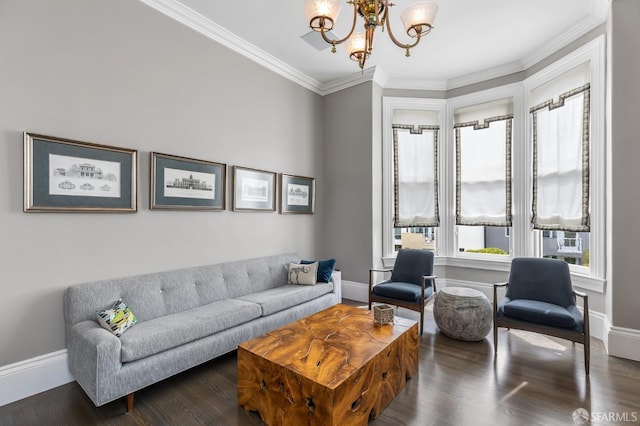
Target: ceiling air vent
x: 314, y: 38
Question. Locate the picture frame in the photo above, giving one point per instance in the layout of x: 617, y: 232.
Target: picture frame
x: 181, y: 183
x: 297, y: 194
x: 64, y: 175
x: 253, y: 189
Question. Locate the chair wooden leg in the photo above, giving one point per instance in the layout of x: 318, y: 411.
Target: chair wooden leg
x: 587, y: 354
x: 130, y: 402
x: 422, y: 320
x: 495, y: 339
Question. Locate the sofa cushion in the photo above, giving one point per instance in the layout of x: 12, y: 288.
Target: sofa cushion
x: 539, y: 312
x: 325, y: 269
x: 159, y: 334
x: 286, y: 296
x: 117, y: 318
x: 247, y: 276
x: 303, y: 274
x: 401, y: 291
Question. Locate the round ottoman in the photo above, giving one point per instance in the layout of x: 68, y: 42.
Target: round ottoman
x: 462, y: 313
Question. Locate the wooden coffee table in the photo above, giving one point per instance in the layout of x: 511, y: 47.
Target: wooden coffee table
x: 334, y: 367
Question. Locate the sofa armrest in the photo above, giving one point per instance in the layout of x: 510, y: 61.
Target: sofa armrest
x: 336, y: 279
x: 94, y: 357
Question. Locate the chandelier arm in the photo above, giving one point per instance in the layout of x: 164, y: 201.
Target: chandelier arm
x: 395, y: 40
x: 376, y: 6
x: 353, y: 27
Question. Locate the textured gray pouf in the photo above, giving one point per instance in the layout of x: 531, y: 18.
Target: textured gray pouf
x: 462, y: 313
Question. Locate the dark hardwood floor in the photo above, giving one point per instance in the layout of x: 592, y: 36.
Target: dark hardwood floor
x: 535, y: 380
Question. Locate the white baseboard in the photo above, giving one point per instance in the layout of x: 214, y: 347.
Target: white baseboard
x: 355, y: 291
x: 624, y: 343
x: 32, y: 376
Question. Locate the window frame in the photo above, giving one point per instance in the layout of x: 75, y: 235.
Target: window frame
x: 524, y: 240
x: 513, y: 92
x: 592, y: 277
x: 389, y: 104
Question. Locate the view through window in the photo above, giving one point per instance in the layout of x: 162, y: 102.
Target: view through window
x: 572, y: 247
x: 484, y: 239
x: 422, y: 237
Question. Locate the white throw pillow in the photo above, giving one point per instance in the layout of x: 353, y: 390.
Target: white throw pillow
x: 303, y: 274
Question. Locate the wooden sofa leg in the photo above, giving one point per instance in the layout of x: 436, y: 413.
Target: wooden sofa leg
x: 130, y: 402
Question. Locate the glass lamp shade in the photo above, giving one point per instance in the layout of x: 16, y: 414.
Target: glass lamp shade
x: 418, y: 18
x: 356, y: 44
x: 321, y: 14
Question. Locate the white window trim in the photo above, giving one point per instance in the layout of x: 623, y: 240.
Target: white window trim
x: 389, y: 104
x: 594, y: 53
x: 513, y: 91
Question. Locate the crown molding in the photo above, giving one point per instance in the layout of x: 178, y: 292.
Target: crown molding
x: 380, y: 77
x: 409, y: 84
x: 210, y: 29
x: 348, y: 81
x: 574, y: 32
x: 488, y: 74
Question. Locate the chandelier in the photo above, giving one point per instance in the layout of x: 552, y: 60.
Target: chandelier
x: 417, y: 20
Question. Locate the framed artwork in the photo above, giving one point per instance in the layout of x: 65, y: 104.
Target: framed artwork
x: 297, y: 194
x: 253, y: 190
x: 181, y: 183
x: 62, y: 175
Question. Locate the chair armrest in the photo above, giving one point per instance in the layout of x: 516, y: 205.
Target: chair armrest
x: 429, y: 277
x: 585, y: 310
x: 585, y: 301
x: 580, y: 294
x: 495, y: 297
x: 371, y: 271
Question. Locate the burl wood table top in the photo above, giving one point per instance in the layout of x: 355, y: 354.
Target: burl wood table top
x: 329, y: 346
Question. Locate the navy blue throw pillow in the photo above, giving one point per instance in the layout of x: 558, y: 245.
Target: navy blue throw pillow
x: 325, y: 268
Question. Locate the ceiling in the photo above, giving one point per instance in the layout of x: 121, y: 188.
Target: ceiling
x: 470, y: 38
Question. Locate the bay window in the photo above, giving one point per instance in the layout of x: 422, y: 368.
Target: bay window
x: 516, y: 170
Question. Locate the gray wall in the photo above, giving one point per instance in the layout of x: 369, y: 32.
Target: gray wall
x: 625, y: 198
x: 348, y: 176
x: 119, y: 73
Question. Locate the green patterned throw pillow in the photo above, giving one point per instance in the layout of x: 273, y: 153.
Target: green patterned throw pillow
x: 117, y: 318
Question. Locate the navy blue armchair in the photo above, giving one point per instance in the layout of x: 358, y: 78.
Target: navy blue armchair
x: 412, y: 284
x: 540, y: 298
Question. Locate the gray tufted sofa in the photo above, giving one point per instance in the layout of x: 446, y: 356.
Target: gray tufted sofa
x: 185, y: 317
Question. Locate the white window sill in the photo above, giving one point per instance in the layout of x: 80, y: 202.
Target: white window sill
x: 580, y: 281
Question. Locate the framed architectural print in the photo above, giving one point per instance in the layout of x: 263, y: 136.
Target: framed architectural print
x: 253, y: 190
x: 297, y: 194
x: 62, y: 175
x: 181, y: 183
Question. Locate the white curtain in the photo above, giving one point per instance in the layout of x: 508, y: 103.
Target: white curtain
x: 483, y: 172
x: 561, y: 162
x: 415, y: 175
x: 483, y: 163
